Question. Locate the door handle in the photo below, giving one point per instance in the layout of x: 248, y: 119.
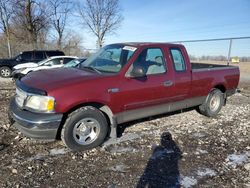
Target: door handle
x: 168, y: 83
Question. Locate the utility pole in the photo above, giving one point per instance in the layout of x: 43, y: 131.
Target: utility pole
x: 229, y: 52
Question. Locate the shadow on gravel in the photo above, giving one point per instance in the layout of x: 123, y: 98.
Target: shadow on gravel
x: 122, y: 127
x: 162, y: 168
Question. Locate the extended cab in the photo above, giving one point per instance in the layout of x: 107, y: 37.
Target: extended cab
x: 120, y: 83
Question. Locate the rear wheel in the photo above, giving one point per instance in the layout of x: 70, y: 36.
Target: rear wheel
x: 5, y: 72
x: 84, y: 129
x: 213, y: 104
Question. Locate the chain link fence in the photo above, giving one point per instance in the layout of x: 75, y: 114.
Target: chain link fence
x: 228, y: 50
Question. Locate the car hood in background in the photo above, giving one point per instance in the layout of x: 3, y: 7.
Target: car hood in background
x: 25, y: 65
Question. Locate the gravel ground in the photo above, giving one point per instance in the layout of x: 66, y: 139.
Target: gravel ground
x: 179, y: 149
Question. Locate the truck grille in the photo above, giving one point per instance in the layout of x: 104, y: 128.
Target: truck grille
x: 20, y: 97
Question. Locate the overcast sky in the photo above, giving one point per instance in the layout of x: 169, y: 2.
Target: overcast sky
x: 167, y: 20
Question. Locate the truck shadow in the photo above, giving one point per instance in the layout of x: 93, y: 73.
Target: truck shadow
x: 122, y: 127
x: 162, y: 168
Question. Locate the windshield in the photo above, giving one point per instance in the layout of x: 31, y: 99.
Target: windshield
x: 109, y: 59
x: 72, y: 63
x: 42, y: 62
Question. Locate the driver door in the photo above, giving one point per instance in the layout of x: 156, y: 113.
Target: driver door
x: 141, y: 95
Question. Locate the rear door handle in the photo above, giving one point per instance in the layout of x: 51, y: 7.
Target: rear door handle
x: 168, y: 83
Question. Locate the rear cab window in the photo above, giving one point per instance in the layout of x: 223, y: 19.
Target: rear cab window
x: 178, y: 60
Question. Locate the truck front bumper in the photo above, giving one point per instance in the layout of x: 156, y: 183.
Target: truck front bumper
x: 35, y: 125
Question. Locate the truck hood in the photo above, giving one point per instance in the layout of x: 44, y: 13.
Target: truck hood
x: 51, y: 79
x: 25, y: 65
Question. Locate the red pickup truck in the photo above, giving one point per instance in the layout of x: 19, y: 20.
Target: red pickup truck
x: 120, y: 83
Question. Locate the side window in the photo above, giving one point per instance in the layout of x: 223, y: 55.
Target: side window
x: 49, y: 54
x: 152, y: 61
x: 39, y: 55
x: 49, y: 63
x: 178, y: 60
x: 54, y: 62
x: 66, y: 60
x: 57, y: 61
x: 26, y: 55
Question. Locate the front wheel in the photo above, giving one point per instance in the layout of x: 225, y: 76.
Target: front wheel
x: 213, y: 104
x: 5, y: 72
x: 84, y: 129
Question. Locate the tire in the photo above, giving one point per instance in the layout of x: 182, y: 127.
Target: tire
x: 84, y: 129
x: 5, y: 72
x: 213, y: 104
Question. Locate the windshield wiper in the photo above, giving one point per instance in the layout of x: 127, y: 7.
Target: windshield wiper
x: 92, y: 68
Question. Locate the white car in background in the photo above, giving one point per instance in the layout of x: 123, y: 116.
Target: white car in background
x: 52, y: 62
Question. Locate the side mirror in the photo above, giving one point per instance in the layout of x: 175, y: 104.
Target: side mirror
x: 138, y: 72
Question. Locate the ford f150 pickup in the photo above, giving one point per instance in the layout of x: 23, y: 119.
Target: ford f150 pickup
x: 120, y: 83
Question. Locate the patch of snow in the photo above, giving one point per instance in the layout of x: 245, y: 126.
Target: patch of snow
x: 187, y: 182
x: 57, y: 151
x: 122, y: 149
x: 39, y: 157
x: 206, y: 172
x: 238, y: 94
x: 237, y: 159
x: 119, y: 168
x: 200, y: 151
x: 199, y: 135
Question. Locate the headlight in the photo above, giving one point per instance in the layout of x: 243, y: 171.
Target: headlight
x: 40, y: 103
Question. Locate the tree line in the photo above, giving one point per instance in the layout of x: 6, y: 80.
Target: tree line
x: 38, y: 24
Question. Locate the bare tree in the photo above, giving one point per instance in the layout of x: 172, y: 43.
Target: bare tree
x: 72, y: 43
x: 5, y: 17
x: 31, y: 15
x: 59, y: 16
x: 102, y: 17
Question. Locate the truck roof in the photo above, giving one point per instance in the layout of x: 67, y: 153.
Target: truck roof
x: 141, y: 44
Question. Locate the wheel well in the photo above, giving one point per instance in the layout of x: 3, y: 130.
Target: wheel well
x: 221, y: 88
x: 102, y: 107
x: 6, y: 66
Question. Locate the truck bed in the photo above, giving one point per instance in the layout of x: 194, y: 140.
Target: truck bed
x: 207, y: 76
x: 206, y: 66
